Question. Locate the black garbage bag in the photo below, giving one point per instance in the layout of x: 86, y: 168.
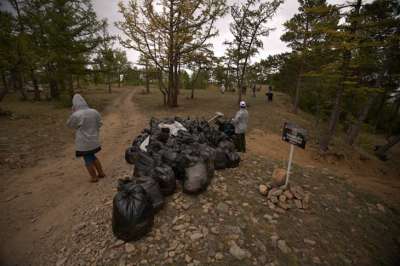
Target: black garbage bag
x: 130, y: 155
x: 221, y: 161
x: 144, y: 164
x: 153, y: 190
x: 133, y: 214
x: 227, y: 145
x: 165, y: 177
x: 196, y: 178
x: 233, y: 159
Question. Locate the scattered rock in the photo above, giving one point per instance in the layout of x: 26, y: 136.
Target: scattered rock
x: 278, y: 177
x: 274, y: 240
x: 283, y: 247
x: 380, y: 207
x: 61, y: 261
x: 263, y: 190
x: 309, y: 241
x: 214, y: 230
x: 129, y: 248
x: 298, y: 204
x: 238, y: 252
x: 222, y: 207
x: 219, y: 256
x: 316, y: 260
x: 188, y: 259
x: 196, y: 236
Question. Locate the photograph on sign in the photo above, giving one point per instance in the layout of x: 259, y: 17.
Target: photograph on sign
x: 294, y: 135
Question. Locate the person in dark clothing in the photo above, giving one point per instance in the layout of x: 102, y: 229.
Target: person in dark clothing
x: 254, y: 90
x: 269, y: 94
x: 240, y: 122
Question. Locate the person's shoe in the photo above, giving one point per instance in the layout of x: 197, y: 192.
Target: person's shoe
x: 101, y: 176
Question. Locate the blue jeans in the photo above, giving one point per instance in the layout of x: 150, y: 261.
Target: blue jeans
x: 89, y: 159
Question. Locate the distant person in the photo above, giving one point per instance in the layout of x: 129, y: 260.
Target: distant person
x: 222, y: 88
x: 269, y: 94
x: 240, y: 122
x: 87, y: 122
x: 244, y: 89
x: 254, y: 90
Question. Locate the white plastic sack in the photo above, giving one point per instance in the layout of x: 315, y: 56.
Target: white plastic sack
x: 173, y: 128
x: 143, y: 145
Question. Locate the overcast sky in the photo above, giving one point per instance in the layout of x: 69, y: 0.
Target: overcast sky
x: 272, y: 44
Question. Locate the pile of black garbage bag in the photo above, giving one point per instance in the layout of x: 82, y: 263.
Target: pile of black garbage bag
x: 161, y: 156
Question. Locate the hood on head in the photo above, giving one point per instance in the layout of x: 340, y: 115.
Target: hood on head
x: 78, y: 102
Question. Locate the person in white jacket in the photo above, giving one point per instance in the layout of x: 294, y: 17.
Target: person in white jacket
x: 87, y: 122
x: 240, y: 122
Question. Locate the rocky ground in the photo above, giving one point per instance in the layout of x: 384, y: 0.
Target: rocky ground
x: 231, y: 224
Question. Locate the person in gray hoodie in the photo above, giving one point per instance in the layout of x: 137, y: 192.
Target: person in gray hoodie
x: 240, y: 122
x: 87, y: 122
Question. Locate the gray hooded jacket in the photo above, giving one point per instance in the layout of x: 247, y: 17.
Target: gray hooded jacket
x: 240, y: 121
x: 87, y: 122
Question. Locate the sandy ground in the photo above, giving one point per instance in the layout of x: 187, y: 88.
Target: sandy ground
x: 42, y: 199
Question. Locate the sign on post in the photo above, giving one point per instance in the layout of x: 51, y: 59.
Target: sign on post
x: 295, y: 136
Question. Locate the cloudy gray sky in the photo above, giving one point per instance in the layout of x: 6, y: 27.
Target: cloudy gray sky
x: 272, y: 44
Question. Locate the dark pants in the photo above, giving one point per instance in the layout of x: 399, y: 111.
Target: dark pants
x: 240, y: 142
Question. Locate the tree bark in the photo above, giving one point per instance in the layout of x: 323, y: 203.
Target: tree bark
x: 382, y: 150
x: 35, y: 85
x: 354, y: 129
x: 336, y: 110
x: 147, y: 77
x: 109, y: 82
x: 3, y: 91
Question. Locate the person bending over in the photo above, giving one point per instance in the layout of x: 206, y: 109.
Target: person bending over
x: 87, y: 122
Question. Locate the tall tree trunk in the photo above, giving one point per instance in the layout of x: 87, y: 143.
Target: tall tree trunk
x: 336, y: 110
x: 3, y: 91
x: 109, y: 82
x: 147, y: 77
x: 35, y: 85
x: 301, y: 67
x: 354, y: 129
x: 20, y: 86
x: 71, y: 86
x: 382, y: 150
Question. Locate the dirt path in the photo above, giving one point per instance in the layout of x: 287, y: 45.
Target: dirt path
x: 39, y: 205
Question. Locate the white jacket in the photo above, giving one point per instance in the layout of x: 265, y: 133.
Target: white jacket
x: 87, y: 122
x: 240, y: 121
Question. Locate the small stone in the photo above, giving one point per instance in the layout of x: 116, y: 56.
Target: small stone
x: 214, y: 230
x: 283, y: 247
x: 219, y: 256
x: 178, y: 227
x: 288, y: 194
x: 61, y: 261
x: 282, y: 198
x: 129, y: 248
x: 171, y: 254
x: 280, y: 210
x: 283, y: 205
x: 380, y: 207
x: 144, y: 261
x: 316, y: 260
x: 279, y: 177
x: 298, y: 204
x: 263, y: 190
x: 268, y: 217
x: 309, y: 241
x: 238, y: 252
x: 274, y: 199
x: 274, y: 240
x: 118, y: 243
x: 188, y: 259
x: 271, y: 205
x: 79, y: 227
x: 196, y: 236
x: 222, y: 207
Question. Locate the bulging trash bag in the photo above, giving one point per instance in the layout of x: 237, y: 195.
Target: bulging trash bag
x: 233, y: 159
x: 130, y: 155
x: 196, y: 178
x: 165, y: 177
x: 227, y: 145
x: 144, y: 164
x: 153, y: 190
x: 133, y: 213
x: 221, y: 160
